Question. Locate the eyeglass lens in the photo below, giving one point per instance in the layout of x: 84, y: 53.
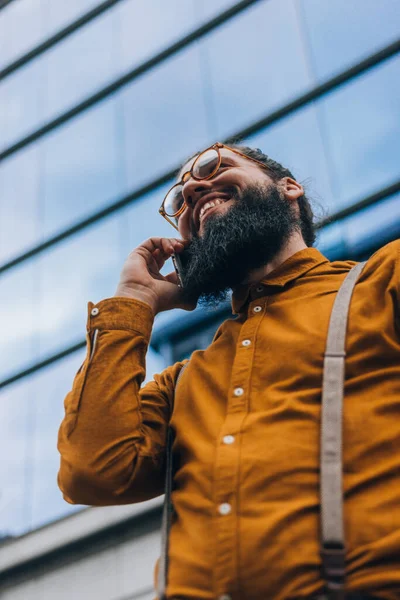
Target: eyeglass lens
x: 204, y: 166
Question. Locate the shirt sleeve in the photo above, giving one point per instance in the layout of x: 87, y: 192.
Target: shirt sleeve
x: 113, y: 436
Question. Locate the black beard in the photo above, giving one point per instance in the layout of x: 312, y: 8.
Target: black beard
x: 249, y: 235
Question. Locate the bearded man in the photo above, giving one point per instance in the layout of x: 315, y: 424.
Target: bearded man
x: 246, y: 414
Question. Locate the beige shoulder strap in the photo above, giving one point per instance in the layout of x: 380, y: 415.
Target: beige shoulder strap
x: 333, y: 551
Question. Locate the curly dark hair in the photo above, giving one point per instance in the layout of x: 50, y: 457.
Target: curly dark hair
x: 277, y: 172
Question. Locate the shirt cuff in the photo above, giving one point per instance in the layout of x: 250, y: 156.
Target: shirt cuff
x: 121, y: 313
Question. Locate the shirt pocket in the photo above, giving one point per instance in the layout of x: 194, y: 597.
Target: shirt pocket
x: 73, y: 398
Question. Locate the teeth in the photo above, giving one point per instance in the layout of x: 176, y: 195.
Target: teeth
x: 209, y: 205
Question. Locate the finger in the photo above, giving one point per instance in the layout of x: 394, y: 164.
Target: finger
x: 159, y: 258
x: 172, y: 278
x: 167, y: 246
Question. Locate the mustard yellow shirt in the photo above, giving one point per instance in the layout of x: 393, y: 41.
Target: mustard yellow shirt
x: 246, y: 417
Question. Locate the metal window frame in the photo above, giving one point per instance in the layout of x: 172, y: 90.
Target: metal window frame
x: 56, y: 37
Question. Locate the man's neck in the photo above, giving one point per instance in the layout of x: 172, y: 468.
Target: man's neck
x: 295, y: 244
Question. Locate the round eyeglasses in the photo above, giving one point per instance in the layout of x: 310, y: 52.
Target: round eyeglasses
x: 205, y: 166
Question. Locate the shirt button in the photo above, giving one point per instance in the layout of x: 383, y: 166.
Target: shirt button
x: 94, y: 312
x: 228, y: 439
x: 257, y: 308
x: 246, y: 343
x: 225, y: 597
x: 260, y: 288
x: 224, y: 508
x: 238, y: 391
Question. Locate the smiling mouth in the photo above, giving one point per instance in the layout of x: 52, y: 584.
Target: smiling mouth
x: 208, y: 206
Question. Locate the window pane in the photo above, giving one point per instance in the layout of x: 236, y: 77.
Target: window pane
x: 306, y: 158
x: 256, y: 62
x: 50, y: 386
x: 19, y: 202
x: 59, y: 14
x: 342, y: 33
x: 147, y: 28
x: 362, y: 126
x: 23, y: 96
x: 21, y: 28
x: 369, y: 228
x: 165, y: 118
x: 94, y: 48
x: 81, y: 168
x: 208, y: 9
x: 26, y: 23
x: 16, y: 434
x: 84, y: 267
x: 18, y: 318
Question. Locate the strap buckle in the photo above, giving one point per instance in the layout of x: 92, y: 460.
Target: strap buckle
x: 334, y: 565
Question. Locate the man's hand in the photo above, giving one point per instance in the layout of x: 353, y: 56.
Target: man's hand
x: 141, y: 278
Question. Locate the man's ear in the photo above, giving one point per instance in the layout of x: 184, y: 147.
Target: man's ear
x: 291, y: 188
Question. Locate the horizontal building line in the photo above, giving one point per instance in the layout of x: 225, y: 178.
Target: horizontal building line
x: 344, y: 77
x: 4, y: 3
x: 110, y: 209
x: 127, y: 78
x: 57, y: 37
x: 341, y: 215
x: 42, y: 364
x: 374, y: 198
x: 259, y: 125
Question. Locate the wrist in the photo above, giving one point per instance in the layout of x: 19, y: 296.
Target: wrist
x: 134, y: 294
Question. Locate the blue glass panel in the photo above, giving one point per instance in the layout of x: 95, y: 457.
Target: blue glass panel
x: 22, y: 27
x: 49, y: 387
x: 147, y: 28
x: 342, y: 33
x: 82, y: 268
x: 81, y: 168
x: 26, y: 23
x: 165, y: 117
x: 207, y: 9
x: 362, y: 126
x: 18, y: 318
x: 373, y: 226
x: 23, y: 95
x: 61, y: 14
x: 19, y: 202
x: 16, y: 434
x: 94, y: 49
x: 366, y: 229
x: 297, y: 144
x: 256, y: 62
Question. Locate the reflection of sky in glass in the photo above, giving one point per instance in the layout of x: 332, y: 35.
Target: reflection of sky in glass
x: 49, y: 387
x: 20, y: 224
x: 81, y: 168
x: 341, y: 33
x: 18, y: 317
x: 358, y: 233
x: 297, y: 144
x: 165, y: 117
x: 26, y: 23
x: 247, y: 80
x: 362, y: 126
x: 16, y: 465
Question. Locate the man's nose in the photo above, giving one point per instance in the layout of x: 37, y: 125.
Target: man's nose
x: 193, y: 190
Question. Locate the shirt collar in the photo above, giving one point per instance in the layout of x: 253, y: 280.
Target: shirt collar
x: 291, y: 269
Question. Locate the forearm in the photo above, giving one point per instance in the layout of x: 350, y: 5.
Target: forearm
x: 101, y: 437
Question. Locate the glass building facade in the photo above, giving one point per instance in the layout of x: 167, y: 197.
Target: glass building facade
x: 99, y: 105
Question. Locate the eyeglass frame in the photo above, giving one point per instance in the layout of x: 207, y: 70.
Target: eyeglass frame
x: 217, y: 146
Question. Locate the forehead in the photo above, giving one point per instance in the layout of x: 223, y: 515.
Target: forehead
x: 224, y: 152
